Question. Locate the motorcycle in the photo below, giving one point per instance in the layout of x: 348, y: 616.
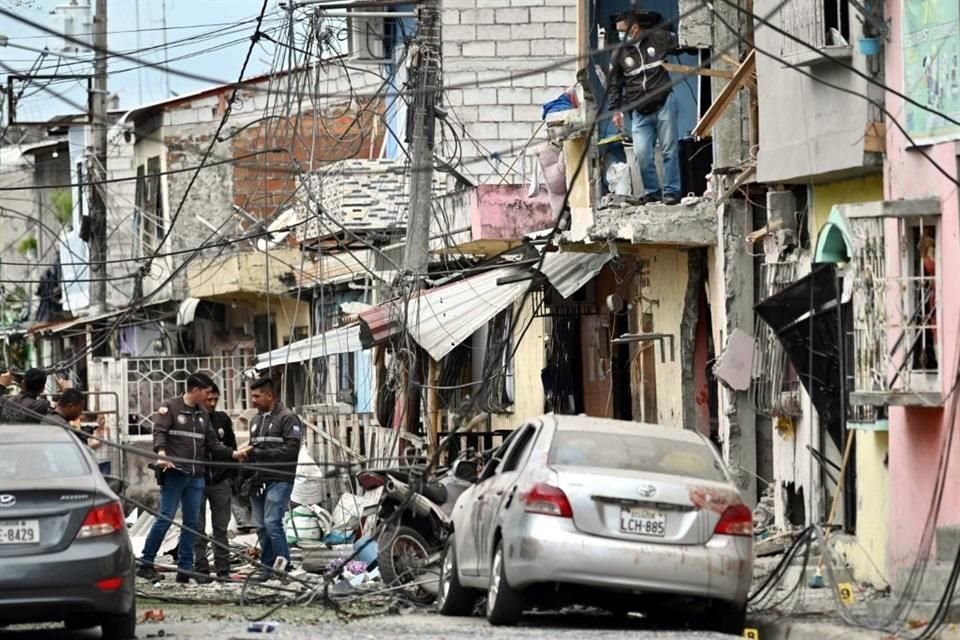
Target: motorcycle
x: 411, y: 543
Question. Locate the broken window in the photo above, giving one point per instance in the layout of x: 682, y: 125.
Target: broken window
x: 148, y: 212
x: 819, y: 23
x: 895, y: 293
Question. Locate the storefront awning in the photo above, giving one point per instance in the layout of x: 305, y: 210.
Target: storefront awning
x: 345, y: 339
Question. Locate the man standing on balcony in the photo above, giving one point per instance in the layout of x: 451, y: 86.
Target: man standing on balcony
x: 182, y: 430
x: 274, y: 443
x: 639, y: 84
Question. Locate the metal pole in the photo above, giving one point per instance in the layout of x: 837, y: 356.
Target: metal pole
x: 166, y: 52
x: 416, y: 257
x: 136, y: 6
x: 98, y: 165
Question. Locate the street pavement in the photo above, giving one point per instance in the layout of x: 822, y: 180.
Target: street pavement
x: 224, y: 623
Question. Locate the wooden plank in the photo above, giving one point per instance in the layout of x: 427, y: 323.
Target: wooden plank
x: 875, y: 137
x: 687, y: 70
x: 740, y: 180
x: 433, y: 404
x: 719, y: 106
x: 332, y: 440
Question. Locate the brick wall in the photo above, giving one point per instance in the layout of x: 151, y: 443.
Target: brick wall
x: 484, y: 42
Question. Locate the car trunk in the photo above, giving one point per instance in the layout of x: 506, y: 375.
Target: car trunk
x: 639, y: 506
x: 45, y: 517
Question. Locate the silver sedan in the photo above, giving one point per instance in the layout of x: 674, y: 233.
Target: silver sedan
x: 623, y: 515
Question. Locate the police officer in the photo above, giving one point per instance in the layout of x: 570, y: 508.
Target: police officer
x: 274, y: 438
x: 28, y: 405
x: 219, y: 494
x: 182, y: 430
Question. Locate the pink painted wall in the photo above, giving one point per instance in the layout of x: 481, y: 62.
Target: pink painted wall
x: 504, y: 212
x: 917, y: 434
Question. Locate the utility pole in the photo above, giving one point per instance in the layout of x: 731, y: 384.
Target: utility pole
x: 98, y: 165
x: 416, y: 257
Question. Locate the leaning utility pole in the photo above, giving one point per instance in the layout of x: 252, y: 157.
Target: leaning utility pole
x: 97, y: 170
x: 416, y: 257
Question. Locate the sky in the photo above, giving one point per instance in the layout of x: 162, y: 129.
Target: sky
x: 204, y: 37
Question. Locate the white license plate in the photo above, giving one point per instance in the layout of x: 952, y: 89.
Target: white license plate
x: 19, y: 532
x: 643, y: 522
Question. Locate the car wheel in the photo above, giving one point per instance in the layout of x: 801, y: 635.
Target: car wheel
x: 453, y: 599
x: 504, y: 603
x: 726, y: 617
x: 122, y: 627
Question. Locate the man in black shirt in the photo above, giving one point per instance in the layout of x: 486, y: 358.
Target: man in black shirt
x: 218, y: 492
x: 28, y: 405
x: 640, y: 85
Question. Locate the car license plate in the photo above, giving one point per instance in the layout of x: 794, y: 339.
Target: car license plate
x: 643, y: 522
x: 19, y: 531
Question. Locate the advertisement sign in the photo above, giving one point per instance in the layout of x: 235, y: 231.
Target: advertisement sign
x: 931, y: 68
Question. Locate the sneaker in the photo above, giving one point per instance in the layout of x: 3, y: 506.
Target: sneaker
x: 224, y: 575
x: 650, y: 198
x: 261, y: 575
x: 203, y: 579
x: 671, y: 199
x: 148, y: 573
x: 182, y: 578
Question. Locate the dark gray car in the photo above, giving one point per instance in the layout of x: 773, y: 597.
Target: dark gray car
x: 65, y: 553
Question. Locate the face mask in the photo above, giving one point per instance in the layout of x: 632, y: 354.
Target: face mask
x: 622, y: 35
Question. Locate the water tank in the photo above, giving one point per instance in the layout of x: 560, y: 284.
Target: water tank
x: 74, y: 19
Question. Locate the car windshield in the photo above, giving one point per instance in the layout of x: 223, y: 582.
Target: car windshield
x: 635, y: 453
x: 34, y: 461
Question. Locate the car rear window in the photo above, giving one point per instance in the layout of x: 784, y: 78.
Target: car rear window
x: 635, y: 453
x: 34, y: 461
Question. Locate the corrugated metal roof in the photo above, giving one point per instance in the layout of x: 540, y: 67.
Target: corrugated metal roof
x: 345, y: 339
x: 569, y: 271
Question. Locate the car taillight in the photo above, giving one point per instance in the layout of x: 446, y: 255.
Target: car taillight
x: 109, y: 584
x: 370, y: 481
x: 102, y: 520
x: 735, y: 521
x: 548, y: 501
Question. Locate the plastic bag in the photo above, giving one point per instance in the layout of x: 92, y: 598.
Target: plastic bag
x: 618, y: 178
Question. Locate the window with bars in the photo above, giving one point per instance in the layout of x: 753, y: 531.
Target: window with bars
x: 897, y: 346
x: 820, y: 23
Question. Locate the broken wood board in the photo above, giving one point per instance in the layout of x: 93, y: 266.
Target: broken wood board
x: 723, y: 101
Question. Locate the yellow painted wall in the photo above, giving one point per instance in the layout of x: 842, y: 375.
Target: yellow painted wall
x: 825, y: 196
x: 867, y: 553
x: 527, y: 366
x: 665, y: 281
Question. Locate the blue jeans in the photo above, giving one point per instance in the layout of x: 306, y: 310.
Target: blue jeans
x: 268, y: 509
x: 178, y: 489
x: 648, y: 129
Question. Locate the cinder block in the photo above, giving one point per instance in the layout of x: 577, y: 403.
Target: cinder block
x: 452, y: 49
x: 547, y: 14
x: 459, y: 33
x: 532, y: 80
x: 560, y: 78
x: 547, y: 47
x: 477, y: 16
x: 450, y: 16
x: 513, y: 95
x: 495, y: 113
x: 518, y: 15
x: 459, y: 4
x: 530, y: 31
x: 517, y: 131
x: 480, y: 49
x: 489, y: 32
x: 480, y: 96
x: 513, y: 48
x: 527, y: 113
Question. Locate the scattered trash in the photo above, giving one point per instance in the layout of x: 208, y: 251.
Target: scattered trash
x: 262, y: 627
x: 618, y: 178
x: 153, y: 615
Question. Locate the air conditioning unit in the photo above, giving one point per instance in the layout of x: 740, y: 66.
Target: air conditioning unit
x: 366, y: 38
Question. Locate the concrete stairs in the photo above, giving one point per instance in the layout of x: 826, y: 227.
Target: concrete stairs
x: 935, y: 578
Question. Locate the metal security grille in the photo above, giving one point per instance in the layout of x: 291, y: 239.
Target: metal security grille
x: 773, y: 391
x: 143, y: 384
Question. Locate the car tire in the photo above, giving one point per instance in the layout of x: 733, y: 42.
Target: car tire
x: 504, y: 603
x: 454, y: 599
x: 121, y: 627
x: 726, y: 617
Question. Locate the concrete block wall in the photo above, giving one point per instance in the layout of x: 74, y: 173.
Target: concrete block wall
x: 502, y: 60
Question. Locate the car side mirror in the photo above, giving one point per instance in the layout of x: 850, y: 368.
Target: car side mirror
x: 116, y: 484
